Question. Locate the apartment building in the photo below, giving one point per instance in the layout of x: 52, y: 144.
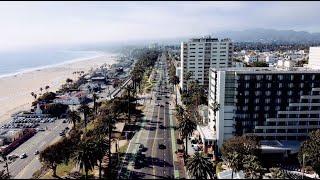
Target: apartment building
x: 281, y: 104
x: 199, y: 54
x: 314, y: 57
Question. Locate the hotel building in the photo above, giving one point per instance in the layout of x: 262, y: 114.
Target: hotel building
x: 199, y: 54
x: 272, y: 103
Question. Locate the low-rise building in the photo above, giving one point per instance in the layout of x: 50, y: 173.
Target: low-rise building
x: 251, y: 57
x: 71, y: 98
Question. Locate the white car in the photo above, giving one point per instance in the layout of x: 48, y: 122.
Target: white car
x: 22, y: 156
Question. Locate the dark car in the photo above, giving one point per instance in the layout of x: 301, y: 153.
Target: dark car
x: 161, y: 105
x: 161, y: 146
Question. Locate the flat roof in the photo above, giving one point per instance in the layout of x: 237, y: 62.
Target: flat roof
x: 256, y: 70
x: 207, y: 133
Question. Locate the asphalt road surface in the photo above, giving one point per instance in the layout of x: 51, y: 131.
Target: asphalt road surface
x: 24, y: 168
x: 155, y: 130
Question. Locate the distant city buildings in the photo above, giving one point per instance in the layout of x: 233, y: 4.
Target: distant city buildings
x: 271, y: 103
x: 251, y: 57
x: 199, y: 54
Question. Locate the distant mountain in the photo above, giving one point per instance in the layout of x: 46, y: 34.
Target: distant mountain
x: 270, y: 35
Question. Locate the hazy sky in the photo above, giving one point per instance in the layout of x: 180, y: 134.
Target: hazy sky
x: 26, y: 24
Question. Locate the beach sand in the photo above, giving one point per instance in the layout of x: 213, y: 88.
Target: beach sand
x: 15, y: 91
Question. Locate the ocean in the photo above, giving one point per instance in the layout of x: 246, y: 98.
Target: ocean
x: 12, y: 63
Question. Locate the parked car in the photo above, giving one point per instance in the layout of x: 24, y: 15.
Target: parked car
x: 22, y: 156
x: 36, y: 153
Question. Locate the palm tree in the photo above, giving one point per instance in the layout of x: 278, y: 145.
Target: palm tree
x: 187, y: 78
x: 85, y: 109
x: 175, y: 80
x: 252, y: 167
x: 5, y: 159
x: 200, y: 167
x: 129, y: 90
x: 100, y: 149
x: 186, y: 127
x: 85, y: 157
x: 47, y: 87
x: 234, y: 162
x: 73, y: 117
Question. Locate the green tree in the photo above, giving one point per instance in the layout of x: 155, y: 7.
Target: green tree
x: 73, y: 117
x: 56, y: 110
x: 200, y: 167
x: 5, y: 160
x: 85, y: 109
x: 85, y: 157
x: 234, y: 161
x: 277, y: 173
x: 55, y: 154
x: 100, y: 149
x: 252, y: 167
x: 186, y: 127
x: 175, y: 81
x: 310, y: 149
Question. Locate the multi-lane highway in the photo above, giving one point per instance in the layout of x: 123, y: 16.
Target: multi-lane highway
x: 24, y: 168
x: 155, y: 132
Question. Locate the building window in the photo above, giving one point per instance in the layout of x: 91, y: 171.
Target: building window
x: 280, y: 85
x: 258, y: 93
x: 267, y: 101
x: 247, y: 85
x: 246, y: 77
x: 257, y: 108
x: 269, y: 77
x: 246, y: 101
x: 268, y: 93
x: 280, y: 77
x: 279, y: 93
x: 246, y: 93
x: 257, y: 101
x: 289, y: 93
x: 258, y: 85
x: 266, y: 108
x: 259, y: 77
x: 278, y: 100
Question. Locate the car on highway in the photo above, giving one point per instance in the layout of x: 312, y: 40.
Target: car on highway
x: 161, y: 126
x: 64, y: 121
x: 36, y: 152
x: 12, y: 156
x: 161, y: 105
x: 62, y: 133
x: 22, y: 156
x: 162, y: 146
x: 141, y: 147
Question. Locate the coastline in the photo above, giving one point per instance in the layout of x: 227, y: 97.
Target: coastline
x: 16, y: 88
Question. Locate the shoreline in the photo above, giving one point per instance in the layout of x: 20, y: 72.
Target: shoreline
x: 26, y: 70
x: 15, y: 89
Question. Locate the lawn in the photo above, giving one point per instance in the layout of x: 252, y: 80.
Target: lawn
x: 62, y: 170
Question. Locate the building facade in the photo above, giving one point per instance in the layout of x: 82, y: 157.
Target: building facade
x: 199, y: 54
x: 314, y: 57
x: 272, y: 103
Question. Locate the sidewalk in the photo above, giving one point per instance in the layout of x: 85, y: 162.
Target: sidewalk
x: 179, y: 167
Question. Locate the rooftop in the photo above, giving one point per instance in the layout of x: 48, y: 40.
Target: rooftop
x: 256, y: 70
x: 209, y: 39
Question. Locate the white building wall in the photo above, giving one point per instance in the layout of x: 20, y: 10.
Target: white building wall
x: 314, y: 57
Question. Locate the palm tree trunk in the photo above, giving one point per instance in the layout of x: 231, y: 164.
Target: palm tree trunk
x: 232, y: 174
x: 100, y: 168
x: 176, y: 96
x: 109, y: 166
x: 86, y: 177
x: 54, y: 169
x: 187, y: 145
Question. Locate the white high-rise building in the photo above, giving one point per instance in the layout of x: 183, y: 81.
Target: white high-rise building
x: 199, y: 54
x: 314, y: 57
